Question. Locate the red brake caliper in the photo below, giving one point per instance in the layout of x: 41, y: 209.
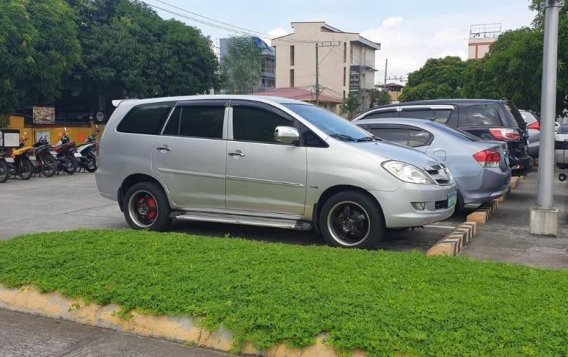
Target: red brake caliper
x: 152, y: 205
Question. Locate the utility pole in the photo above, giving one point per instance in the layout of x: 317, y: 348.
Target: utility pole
x: 318, y: 45
x: 544, y: 217
x: 386, y: 65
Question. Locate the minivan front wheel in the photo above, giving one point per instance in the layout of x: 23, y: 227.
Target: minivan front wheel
x: 146, y: 207
x: 351, y: 219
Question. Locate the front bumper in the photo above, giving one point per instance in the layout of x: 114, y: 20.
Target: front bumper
x: 399, y: 212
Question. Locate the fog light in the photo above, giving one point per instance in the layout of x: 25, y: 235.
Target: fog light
x: 419, y: 206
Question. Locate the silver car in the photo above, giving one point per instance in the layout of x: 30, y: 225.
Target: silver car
x: 533, y: 128
x: 480, y: 167
x: 265, y: 161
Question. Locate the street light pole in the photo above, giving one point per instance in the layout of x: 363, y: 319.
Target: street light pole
x: 544, y: 218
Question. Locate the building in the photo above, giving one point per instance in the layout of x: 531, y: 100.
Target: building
x: 394, y: 90
x: 346, y: 60
x: 268, y: 66
x: 325, y: 101
x: 481, y: 37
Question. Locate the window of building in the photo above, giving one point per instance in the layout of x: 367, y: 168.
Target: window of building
x: 344, y: 52
x: 146, y: 119
x: 344, y: 76
x: 292, y: 78
x: 292, y: 55
x: 258, y: 125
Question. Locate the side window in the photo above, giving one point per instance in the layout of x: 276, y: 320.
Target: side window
x: 255, y: 124
x: 419, y: 138
x: 145, y: 119
x: 443, y: 115
x: 396, y: 135
x: 418, y: 113
x: 391, y: 113
x: 202, y: 122
x: 310, y: 139
x: 172, y: 126
x: 482, y: 115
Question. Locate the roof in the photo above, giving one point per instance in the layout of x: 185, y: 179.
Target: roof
x: 456, y: 101
x: 275, y: 99
x: 361, y: 39
x: 298, y: 94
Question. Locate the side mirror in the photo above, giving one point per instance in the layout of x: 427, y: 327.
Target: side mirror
x: 286, y: 134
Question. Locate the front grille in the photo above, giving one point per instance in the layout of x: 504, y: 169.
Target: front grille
x: 440, y: 174
x: 441, y: 204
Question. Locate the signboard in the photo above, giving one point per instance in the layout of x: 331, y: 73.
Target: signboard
x: 44, y: 115
x: 9, y: 138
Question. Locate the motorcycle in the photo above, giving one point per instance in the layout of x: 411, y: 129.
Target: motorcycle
x: 68, y: 158
x: 18, y: 162
x: 46, y: 159
x: 88, y: 152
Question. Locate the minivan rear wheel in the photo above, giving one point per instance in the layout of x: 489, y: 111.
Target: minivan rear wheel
x: 146, y: 207
x: 351, y: 219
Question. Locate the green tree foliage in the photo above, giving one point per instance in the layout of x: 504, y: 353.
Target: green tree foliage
x: 240, y: 70
x: 378, y: 97
x: 131, y: 52
x: 38, y: 47
x: 350, y: 105
x: 438, y: 78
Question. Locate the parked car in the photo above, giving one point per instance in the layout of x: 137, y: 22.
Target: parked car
x: 480, y: 167
x: 561, y: 146
x: 265, y: 161
x: 533, y: 127
x: 486, y: 118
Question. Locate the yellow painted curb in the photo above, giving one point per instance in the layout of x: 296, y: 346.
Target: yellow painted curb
x: 181, y: 329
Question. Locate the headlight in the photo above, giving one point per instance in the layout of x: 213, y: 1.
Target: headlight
x: 408, y: 173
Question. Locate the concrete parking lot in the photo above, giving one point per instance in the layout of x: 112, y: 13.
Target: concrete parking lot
x: 68, y: 202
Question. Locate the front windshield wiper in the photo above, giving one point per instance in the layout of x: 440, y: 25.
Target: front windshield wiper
x: 367, y: 138
x: 342, y: 137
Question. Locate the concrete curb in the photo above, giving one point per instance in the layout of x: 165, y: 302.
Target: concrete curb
x: 180, y: 329
x: 453, y: 243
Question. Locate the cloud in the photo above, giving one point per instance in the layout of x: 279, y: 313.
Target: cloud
x: 391, y: 22
x: 408, y: 44
x: 277, y: 32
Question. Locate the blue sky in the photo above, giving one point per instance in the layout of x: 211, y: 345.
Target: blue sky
x: 410, y: 31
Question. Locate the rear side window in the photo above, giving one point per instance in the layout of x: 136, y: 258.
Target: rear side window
x: 483, y: 115
x: 413, y: 137
x: 197, y: 121
x: 439, y: 115
x: 145, y: 119
x: 392, y: 113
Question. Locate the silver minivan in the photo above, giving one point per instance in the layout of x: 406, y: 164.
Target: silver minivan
x: 265, y: 161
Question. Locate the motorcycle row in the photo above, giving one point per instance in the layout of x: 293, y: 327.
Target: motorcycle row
x: 44, y: 159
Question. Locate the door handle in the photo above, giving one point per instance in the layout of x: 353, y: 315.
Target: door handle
x: 163, y: 148
x: 237, y: 153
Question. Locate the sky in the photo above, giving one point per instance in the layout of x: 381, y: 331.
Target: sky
x: 409, y: 31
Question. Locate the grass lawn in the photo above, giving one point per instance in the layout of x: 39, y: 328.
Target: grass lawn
x: 381, y: 302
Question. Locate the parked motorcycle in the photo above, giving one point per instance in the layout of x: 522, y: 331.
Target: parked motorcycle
x: 4, y: 172
x: 46, y: 159
x: 68, y: 158
x: 88, y: 152
x: 18, y: 163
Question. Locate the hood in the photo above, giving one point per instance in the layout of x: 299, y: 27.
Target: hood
x: 392, y: 151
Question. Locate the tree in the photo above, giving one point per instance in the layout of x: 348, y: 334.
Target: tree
x: 350, y: 105
x: 378, y: 97
x: 131, y: 52
x: 438, y: 78
x: 240, y: 70
x: 512, y: 70
x: 38, y: 47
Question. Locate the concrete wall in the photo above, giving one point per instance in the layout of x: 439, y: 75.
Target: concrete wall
x: 478, y: 48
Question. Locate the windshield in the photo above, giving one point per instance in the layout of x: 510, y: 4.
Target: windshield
x: 330, y: 123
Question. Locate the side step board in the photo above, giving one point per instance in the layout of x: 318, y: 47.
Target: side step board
x: 245, y: 220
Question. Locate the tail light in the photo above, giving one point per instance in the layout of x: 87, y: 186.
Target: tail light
x: 488, y: 158
x: 535, y: 125
x: 505, y: 134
